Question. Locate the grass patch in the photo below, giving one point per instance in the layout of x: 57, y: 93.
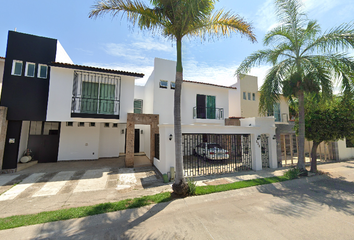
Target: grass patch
x: 78, y: 212
x: 202, y: 190
x: 65, y: 214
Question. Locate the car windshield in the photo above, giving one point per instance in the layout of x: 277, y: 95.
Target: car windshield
x: 213, y: 145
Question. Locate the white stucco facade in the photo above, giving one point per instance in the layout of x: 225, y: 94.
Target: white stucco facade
x: 344, y: 152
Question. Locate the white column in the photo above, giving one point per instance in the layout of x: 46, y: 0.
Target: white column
x: 273, y: 159
x: 256, y: 152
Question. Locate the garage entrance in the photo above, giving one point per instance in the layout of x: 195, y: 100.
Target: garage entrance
x: 44, y: 141
x: 206, y: 154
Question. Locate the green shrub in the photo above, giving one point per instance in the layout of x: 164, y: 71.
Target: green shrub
x: 192, y: 186
x: 292, y: 173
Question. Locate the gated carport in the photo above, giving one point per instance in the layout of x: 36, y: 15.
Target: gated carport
x: 251, y: 146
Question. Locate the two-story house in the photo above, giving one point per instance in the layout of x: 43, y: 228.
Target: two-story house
x: 59, y: 110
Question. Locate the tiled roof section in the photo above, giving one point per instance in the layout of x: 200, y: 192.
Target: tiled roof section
x: 2, y: 58
x: 210, y: 84
x: 96, y: 69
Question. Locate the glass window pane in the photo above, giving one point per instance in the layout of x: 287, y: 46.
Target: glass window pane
x: 163, y: 84
x: 173, y: 85
x: 43, y: 71
x: 244, y: 95
x: 89, y: 97
x: 249, y: 96
x: 30, y: 70
x: 18, y: 68
x: 253, y: 96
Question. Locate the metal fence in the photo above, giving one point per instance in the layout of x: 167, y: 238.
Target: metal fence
x: 205, y: 154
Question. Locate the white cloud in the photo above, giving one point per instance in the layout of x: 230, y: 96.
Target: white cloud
x: 266, y: 19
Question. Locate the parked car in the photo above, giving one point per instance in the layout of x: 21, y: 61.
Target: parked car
x: 211, y: 151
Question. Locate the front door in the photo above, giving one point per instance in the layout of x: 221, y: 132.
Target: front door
x: 137, y: 141
x: 44, y: 141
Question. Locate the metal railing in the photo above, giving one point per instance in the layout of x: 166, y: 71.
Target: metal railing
x: 208, y: 113
x: 94, y: 106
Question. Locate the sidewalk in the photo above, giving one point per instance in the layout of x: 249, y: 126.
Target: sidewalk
x: 272, y: 211
x: 43, y: 188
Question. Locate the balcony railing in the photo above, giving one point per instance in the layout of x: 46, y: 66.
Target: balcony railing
x: 94, y: 107
x: 208, y: 113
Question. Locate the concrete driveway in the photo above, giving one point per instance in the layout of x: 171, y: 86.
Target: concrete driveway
x: 318, y: 207
x: 51, y: 186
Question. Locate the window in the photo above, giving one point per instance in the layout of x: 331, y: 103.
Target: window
x: 30, y: 68
x: 97, y: 97
x: 42, y: 71
x: 69, y: 124
x: 253, y: 96
x: 92, y: 124
x: 275, y: 112
x: 81, y: 124
x: 106, y: 125
x: 163, y: 84
x: 249, y: 96
x: 138, y: 106
x: 16, y: 68
x: 36, y: 128
x: 173, y: 85
x: 206, y: 107
x: 115, y: 125
x: 244, y: 96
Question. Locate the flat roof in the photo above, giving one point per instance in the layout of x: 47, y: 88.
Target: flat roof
x: 96, y: 69
x: 210, y: 84
x: 2, y: 58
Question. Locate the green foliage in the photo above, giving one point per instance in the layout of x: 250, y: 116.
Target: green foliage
x: 328, y: 119
x: 302, y: 57
x: 192, y: 186
x: 292, y: 173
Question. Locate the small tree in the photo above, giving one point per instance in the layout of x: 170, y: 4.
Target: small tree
x: 326, y: 121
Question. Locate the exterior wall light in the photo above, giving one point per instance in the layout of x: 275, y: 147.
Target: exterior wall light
x: 170, y: 137
x: 142, y: 132
x: 258, y: 137
x: 122, y: 131
x: 274, y: 137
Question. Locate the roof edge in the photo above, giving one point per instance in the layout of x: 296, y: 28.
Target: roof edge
x: 209, y: 84
x: 96, y: 69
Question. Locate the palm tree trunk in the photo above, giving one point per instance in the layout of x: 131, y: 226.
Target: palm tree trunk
x: 301, y: 153
x: 180, y: 187
x: 314, y: 157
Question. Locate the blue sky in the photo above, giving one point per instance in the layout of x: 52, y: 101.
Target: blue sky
x: 114, y: 43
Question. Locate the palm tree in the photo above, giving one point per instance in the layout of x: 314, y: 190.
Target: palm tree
x: 177, y: 19
x: 303, y: 60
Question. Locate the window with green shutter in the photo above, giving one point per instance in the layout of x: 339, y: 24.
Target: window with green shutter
x: 138, y: 106
x: 211, y: 107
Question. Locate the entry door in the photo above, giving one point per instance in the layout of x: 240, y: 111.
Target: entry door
x: 137, y: 141
x: 44, y: 141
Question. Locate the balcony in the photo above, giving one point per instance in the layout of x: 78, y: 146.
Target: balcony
x: 208, y: 115
x: 94, y: 108
x: 95, y: 95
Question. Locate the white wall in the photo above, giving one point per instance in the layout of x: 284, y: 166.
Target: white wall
x: 60, y: 97
x: 79, y: 143
x: 23, y: 138
x: 148, y: 103
x: 109, y: 141
x: 189, y: 101
x: 61, y: 55
x: 344, y: 152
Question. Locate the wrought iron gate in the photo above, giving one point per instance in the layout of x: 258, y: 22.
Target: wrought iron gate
x: 265, y: 151
x: 205, y: 154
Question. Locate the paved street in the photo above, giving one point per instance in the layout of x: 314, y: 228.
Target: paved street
x: 318, y: 207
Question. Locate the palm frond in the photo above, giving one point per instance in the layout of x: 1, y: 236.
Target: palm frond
x: 254, y: 60
x: 221, y: 23
x: 136, y: 11
x: 340, y: 38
